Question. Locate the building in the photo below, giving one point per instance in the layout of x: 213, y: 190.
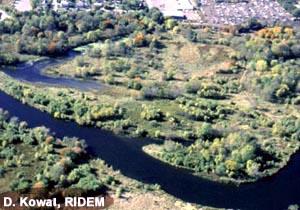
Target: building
x: 174, y: 14
x: 23, y: 5
x: 223, y: 12
x: 230, y: 12
x: 172, y: 8
x: 77, y: 5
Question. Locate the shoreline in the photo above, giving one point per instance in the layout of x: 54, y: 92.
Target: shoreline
x: 210, y: 177
x: 223, y: 180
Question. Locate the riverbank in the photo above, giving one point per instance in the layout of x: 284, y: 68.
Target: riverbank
x: 27, y: 164
x: 210, y: 124
x: 155, y: 151
x: 27, y: 95
x: 281, y: 189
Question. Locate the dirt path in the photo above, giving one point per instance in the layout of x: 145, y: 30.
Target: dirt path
x: 150, y: 201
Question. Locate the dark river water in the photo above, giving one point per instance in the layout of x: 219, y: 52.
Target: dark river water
x: 33, y: 72
x: 124, y: 154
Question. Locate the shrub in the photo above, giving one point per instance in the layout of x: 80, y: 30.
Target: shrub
x: 212, y: 92
x: 191, y: 35
x: 141, y: 132
x: 134, y: 85
x: 169, y: 75
x: 283, y: 91
x: 261, y: 65
x: 293, y: 207
x: 119, y: 192
x: 286, y: 127
x: 193, y: 86
x: 95, y: 52
x: 88, y: 183
x: 8, y: 59
x: 151, y: 113
x: 281, y: 50
x: 105, y: 112
x: 139, y: 40
x: 134, y: 72
x: 76, y: 174
x: 40, y: 133
x: 55, y: 172
x: 233, y: 156
x: 158, y: 91
x: 20, y: 184
x: 109, y: 79
x: 119, y: 66
x: 203, y: 110
x: 206, y: 132
x: 80, y: 62
x: 252, y: 168
x: 8, y: 152
x: 296, y: 50
x: 2, y: 172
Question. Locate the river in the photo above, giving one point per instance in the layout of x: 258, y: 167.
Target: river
x: 33, y: 72
x: 125, y: 154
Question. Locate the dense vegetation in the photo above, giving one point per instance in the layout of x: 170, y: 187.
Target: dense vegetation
x: 238, y: 155
x: 225, y: 105
x: 52, y: 33
x: 56, y: 163
x: 269, y: 60
x: 231, y: 139
x: 62, y: 106
x: 273, y: 54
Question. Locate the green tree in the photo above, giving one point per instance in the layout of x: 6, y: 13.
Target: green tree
x: 89, y: 183
x: 252, y: 168
x: 261, y: 65
x: 56, y: 172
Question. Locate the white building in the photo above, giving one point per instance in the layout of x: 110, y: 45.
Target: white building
x: 23, y: 5
x: 170, y: 4
x: 171, y: 8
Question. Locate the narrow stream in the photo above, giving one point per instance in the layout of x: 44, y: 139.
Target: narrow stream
x: 33, y: 72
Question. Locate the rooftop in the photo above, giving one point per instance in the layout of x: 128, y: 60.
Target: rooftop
x: 224, y: 12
